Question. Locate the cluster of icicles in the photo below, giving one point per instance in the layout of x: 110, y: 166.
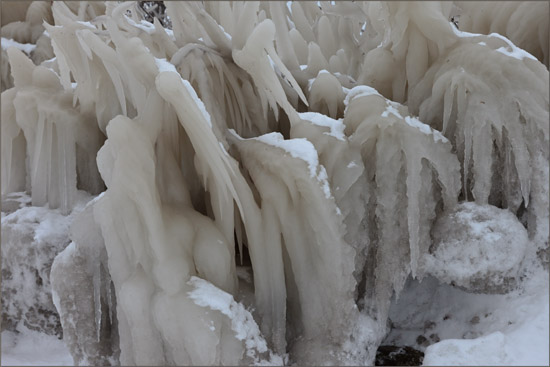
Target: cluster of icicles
x: 324, y: 138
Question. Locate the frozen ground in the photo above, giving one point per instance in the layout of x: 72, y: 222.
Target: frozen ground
x: 452, y: 326
x: 32, y: 348
x: 520, y: 339
x: 456, y: 328
x: 481, y: 329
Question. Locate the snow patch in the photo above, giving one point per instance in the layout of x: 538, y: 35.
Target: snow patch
x: 300, y: 148
x: 510, y: 50
x: 356, y: 92
x: 390, y: 109
x: 164, y: 65
x: 205, y: 294
x: 425, y: 129
x: 336, y: 126
x: 25, y: 47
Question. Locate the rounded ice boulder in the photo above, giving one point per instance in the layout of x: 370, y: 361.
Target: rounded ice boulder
x: 478, y: 248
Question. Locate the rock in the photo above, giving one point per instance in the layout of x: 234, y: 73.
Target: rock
x: 391, y: 355
x: 479, y: 248
x: 31, y: 238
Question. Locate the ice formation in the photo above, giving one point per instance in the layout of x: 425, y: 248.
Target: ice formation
x: 344, y: 147
x: 522, y: 22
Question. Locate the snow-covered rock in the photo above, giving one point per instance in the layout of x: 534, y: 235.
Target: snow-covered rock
x: 478, y: 247
x: 31, y: 238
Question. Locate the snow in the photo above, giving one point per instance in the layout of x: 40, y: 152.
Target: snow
x: 356, y: 92
x: 300, y: 148
x: 51, y: 225
x: 143, y: 25
x: 25, y: 47
x: 227, y: 35
x: 87, y: 24
x: 198, y: 101
x: 164, y: 65
x: 477, y: 242
x: 510, y: 50
x: 32, y: 348
x: 336, y: 126
x: 521, y: 338
x: 426, y: 129
x: 205, y: 294
x: 390, y: 109
x: 434, y: 311
x: 515, y: 52
x: 149, y: 28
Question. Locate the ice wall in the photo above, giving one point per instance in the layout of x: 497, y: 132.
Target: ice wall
x: 326, y: 139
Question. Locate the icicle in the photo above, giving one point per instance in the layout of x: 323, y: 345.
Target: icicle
x: 97, y: 297
x: 110, y: 304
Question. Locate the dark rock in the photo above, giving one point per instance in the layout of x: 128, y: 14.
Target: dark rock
x: 391, y: 355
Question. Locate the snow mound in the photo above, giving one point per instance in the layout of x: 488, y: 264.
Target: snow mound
x: 525, y: 344
x: 478, y: 247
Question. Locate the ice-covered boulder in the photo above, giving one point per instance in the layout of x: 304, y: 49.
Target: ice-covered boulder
x: 478, y: 247
x: 31, y: 238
